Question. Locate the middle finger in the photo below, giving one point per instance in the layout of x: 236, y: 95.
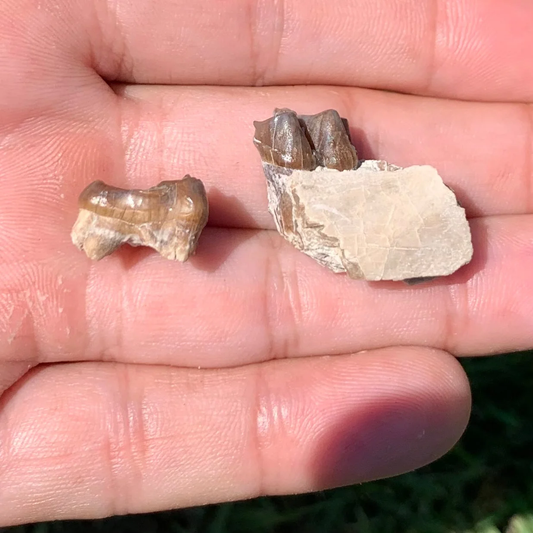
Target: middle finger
x: 481, y: 150
x: 248, y: 296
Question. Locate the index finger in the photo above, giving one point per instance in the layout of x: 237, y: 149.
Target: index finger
x: 460, y: 49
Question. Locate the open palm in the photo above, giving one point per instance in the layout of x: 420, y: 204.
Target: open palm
x: 137, y: 384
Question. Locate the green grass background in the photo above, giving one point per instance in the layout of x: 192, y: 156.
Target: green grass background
x: 484, y: 485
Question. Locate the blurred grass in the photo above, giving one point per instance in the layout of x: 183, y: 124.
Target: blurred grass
x: 484, y: 485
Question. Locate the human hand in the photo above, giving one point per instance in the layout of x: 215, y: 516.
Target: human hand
x: 137, y: 384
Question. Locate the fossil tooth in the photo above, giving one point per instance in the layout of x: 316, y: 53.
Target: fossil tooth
x: 282, y: 141
x: 168, y: 217
x: 330, y: 138
x: 374, y: 222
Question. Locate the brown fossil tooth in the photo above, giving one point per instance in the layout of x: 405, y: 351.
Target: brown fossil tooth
x: 330, y: 139
x: 168, y: 218
x: 281, y: 141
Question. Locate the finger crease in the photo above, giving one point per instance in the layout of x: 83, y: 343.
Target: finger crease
x: 433, y: 24
x: 457, y: 317
x: 283, y: 307
x: 125, y: 445
x: 266, y: 19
